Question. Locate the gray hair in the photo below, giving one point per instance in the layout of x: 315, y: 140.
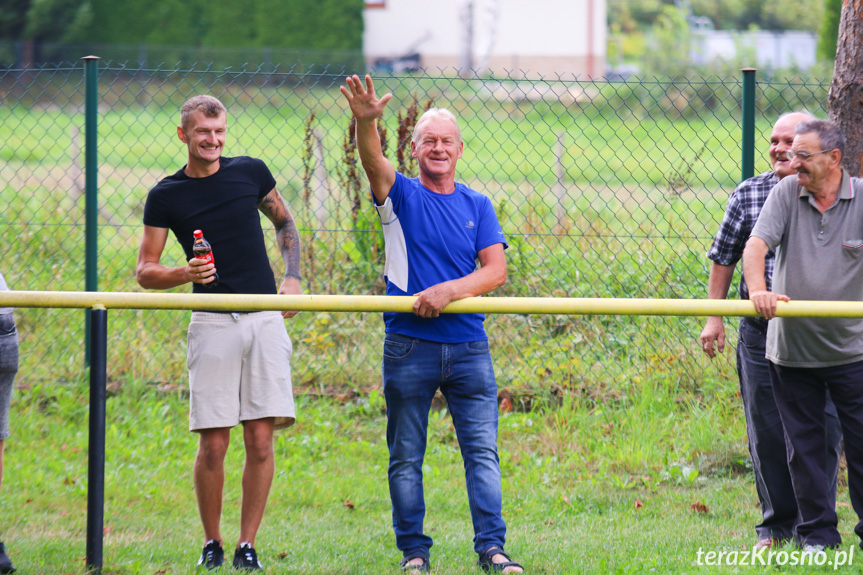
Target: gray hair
x: 432, y: 114
x: 210, y: 106
x: 830, y: 134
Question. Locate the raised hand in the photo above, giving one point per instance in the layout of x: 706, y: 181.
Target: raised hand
x: 365, y: 105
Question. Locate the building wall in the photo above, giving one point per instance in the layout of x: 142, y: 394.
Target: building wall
x: 771, y: 49
x: 540, y: 37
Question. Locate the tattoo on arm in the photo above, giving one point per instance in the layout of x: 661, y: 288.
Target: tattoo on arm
x: 288, y: 239
x: 287, y: 235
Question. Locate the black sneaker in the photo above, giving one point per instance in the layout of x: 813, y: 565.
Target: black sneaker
x: 212, y: 557
x: 5, y: 563
x: 246, y: 558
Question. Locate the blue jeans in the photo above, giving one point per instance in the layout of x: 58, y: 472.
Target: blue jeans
x: 413, y: 370
x: 8, y: 368
x: 767, y: 436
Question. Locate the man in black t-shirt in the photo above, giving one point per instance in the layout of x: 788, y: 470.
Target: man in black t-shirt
x: 239, y: 363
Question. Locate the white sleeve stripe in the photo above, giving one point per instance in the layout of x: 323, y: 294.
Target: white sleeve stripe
x: 396, y: 266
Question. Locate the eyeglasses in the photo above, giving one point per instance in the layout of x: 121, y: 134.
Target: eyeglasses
x: 791, y: 154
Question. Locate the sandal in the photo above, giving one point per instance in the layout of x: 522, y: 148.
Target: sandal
x: 488, y: 565
x: 424, y: 568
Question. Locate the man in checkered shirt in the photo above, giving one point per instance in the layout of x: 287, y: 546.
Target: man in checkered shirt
x: 763, y: 426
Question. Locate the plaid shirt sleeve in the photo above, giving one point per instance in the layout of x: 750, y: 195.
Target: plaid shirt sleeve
x: 727, y: 247
x: 742, y: 211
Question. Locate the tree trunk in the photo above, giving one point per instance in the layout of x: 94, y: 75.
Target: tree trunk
x: 845, y: 100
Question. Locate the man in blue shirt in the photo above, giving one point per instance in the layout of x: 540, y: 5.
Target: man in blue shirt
x: 435, y: 230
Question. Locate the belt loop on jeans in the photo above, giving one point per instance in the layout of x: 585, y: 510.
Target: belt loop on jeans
x: 756, y: 322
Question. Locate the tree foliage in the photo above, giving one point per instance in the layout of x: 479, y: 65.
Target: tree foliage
x: 828, y: 34
x: 631, y: 15
x: 671, y: 33
x: 56, y: 20
x: 315, y: 24
x: 13, y: 16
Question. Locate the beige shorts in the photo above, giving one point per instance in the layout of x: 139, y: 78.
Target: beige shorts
x: 239, y: 369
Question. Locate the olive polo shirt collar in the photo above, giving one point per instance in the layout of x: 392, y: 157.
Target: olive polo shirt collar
x: 846, y: 192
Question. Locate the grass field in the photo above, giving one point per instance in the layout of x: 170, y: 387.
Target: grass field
x: 634, y: 485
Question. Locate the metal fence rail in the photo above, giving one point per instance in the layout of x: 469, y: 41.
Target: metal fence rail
x: 404, y: 304
x: 604, y: 190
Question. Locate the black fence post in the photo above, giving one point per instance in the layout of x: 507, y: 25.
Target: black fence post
x: 96, y: 460
x: 747, y: 161
x: 91, y: 202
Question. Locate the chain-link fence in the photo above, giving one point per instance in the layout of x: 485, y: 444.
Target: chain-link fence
x: 603, y: 190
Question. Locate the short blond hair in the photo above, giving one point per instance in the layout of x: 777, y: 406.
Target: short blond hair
x: 210, y: 106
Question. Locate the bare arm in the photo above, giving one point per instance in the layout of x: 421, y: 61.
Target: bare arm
x: 153, y: 275
x: 367, y: 108
x: 491, y: 275
x: 717, y: 288
x: 288, y: 239
x: 753, y: 271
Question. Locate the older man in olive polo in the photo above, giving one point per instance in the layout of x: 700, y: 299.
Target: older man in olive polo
x: 815, y: 222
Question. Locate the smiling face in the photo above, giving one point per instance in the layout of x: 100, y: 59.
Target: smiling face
x: 204, y: 136
x: 814, y: 172
x: 781, y: 139
x: 437, y: 148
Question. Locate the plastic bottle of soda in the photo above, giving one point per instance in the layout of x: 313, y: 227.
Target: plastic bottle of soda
x: 202, y: 250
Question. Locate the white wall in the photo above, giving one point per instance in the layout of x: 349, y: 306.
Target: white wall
x: 544, y: 37
x: 772, y: 49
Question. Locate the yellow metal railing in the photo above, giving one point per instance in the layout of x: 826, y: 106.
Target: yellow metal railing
x: 349, y: 303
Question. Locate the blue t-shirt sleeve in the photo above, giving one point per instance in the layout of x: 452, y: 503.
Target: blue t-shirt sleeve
x: 489, y: 231
x: 397, y: 192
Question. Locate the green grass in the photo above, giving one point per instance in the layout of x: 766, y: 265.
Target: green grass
x: 589, y: 487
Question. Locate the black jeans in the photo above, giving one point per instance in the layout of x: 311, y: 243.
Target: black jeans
x: 801, y: 394
x: 767, y: 436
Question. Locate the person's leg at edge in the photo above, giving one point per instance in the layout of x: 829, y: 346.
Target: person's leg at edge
x: 257, y: 476
x: 471, y: 394
x: 846, y: 389
x: 209, y: 474
x: 8, y: 370
x: 5, y: 562
x: 801, y: 398
x: 411, y: 372
x: 765, y: 435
